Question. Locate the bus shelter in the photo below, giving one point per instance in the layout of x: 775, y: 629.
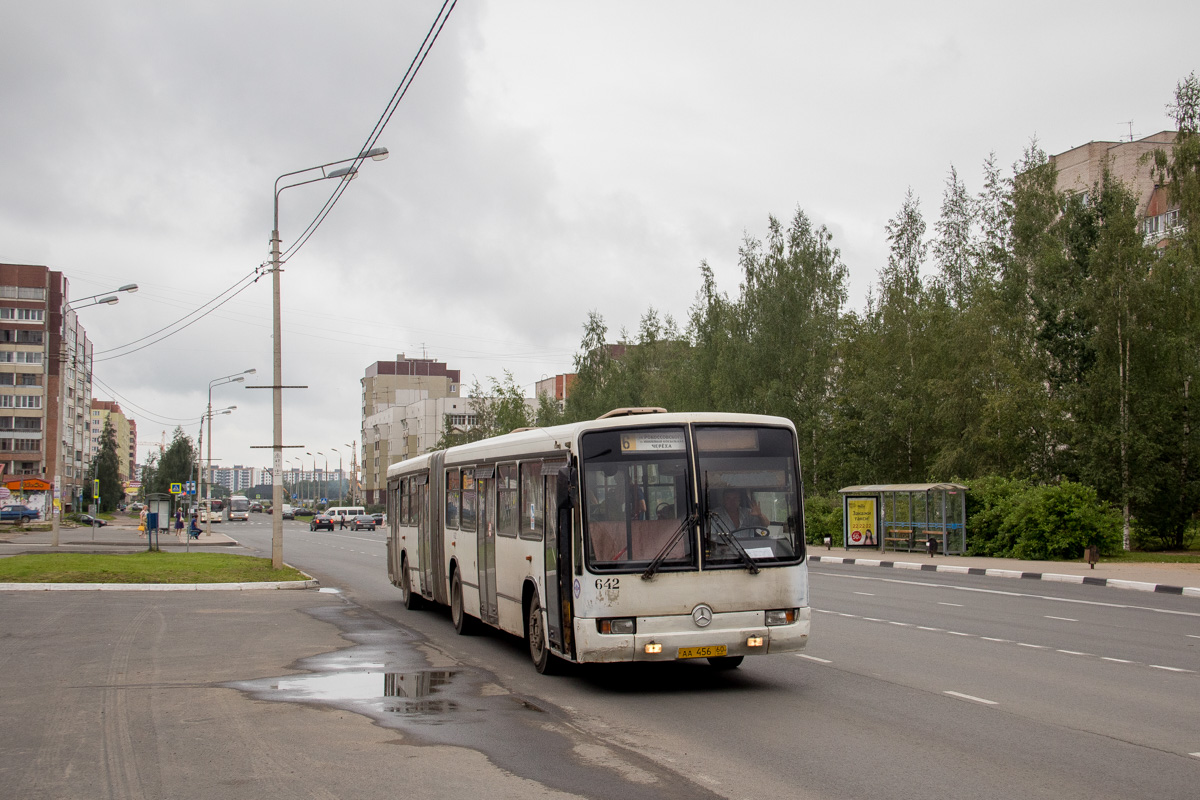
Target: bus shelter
x: 905, y: 516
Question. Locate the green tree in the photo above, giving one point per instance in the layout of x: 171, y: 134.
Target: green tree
x: 177, y: 464
x: 105, y: 467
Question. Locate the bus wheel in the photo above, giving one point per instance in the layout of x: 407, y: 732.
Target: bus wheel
x: 412, y: 601
x: 545, y: 662
x: 464, y: 623
x: 726, y: 662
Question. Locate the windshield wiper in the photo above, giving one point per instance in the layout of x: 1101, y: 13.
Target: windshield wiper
x: 729, y: 539
x: 656, y: 562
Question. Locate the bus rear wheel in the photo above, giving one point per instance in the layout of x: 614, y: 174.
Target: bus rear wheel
x: 412, y: 601
x: 464, y: 623
x: 545, y: 662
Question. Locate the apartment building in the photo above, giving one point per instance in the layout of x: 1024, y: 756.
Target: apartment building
x: 45, y: 380
x: 387, y: 385
x: 126, y: 435
x: 1080, y: 169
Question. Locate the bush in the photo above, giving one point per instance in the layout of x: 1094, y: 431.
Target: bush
x: 1059, y: 522
x: 989, y: 501
x: 823, y: 517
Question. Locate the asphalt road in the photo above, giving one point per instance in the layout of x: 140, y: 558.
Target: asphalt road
x: 915, y: 685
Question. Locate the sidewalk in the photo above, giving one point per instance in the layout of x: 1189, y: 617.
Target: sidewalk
x: 1163, y: 578
x: 118, y: 536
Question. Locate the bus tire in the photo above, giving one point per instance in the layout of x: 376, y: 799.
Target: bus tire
x: 545, y: 662
x: 464, y: 623
x: 412, y: 601
x: 725, y: 662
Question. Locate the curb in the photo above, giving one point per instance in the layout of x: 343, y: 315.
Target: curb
x: 1087, y: 580
x: 156, y: 587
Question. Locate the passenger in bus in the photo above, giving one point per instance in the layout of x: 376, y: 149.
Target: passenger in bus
x: 737, y: 512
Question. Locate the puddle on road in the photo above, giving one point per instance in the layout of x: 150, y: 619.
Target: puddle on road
x: 409, y: 694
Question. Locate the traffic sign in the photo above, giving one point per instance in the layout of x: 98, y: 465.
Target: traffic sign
x: 95, y: 488
x: 176, y: 488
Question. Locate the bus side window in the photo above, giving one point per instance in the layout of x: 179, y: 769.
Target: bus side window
x: 453, y: 497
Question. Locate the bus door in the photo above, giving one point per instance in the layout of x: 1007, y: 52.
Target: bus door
x: 558, y: 560
x: 424, y: 536
x: 485, y: 483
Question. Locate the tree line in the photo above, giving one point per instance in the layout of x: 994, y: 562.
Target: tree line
x: 1032, y: 336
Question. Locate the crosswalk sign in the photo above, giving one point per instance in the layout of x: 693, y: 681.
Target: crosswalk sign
x: 176, y: 488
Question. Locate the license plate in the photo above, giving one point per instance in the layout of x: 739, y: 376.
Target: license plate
x: 711, y: 651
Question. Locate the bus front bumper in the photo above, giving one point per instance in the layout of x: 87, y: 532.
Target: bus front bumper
x: 672, y: 638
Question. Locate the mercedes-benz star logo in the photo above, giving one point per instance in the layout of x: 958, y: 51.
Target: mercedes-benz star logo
x: 702, y: 615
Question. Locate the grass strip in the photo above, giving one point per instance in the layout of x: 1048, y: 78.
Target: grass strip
x: 143, y: 567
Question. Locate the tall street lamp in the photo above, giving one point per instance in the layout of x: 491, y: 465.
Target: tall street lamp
x: 207, y: 415
x: 354, y: 479
x: 339, y: 474
x: 324, y: 479
x: 236, y: 377
x: 343, y: 173
x: 60, y: 487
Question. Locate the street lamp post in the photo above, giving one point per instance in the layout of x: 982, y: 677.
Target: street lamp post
x: 353, y: 472
x: 207, y: 415
x: 236, y: 377
x: 60, y: 487
x: 324, y: 494
x: 344, y: 173
x: 339, y: 474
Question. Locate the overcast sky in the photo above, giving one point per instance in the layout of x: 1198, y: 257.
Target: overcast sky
x: 550, y: 159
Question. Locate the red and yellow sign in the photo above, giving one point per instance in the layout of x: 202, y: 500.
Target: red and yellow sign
x: 29, y: 485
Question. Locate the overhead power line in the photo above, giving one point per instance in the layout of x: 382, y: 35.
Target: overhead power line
x: 410, y: 74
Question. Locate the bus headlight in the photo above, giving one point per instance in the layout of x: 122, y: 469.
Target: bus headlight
x: 620, y: 626
x: 781, y: 616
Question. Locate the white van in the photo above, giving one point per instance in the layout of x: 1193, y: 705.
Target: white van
x: 340, y: 514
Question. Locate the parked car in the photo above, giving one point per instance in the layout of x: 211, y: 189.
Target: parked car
x: 18, y: 513
x: 321, y: 521
x: 136, y: 508
x: 88, y: 520
x: 288, y: 512
x: 362, y: 521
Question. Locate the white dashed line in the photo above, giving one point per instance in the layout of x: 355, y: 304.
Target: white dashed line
x: 1034, y: 646
x: 865, y: 594
x: 1116, y: 660
x: 814, y: 658
x: 1073, y: 653
x: 1062, y: 619
x: 1168, y: 669
x: 956, y: 605
x: 972, y: 698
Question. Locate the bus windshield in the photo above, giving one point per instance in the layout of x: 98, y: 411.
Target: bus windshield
x: 636, y: 498
x: 239, y: 504
x: 751, y: 498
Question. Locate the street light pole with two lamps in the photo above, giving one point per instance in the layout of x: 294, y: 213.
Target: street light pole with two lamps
x: 236, y: 377
x: 343, y: 173
x: 60, y: 494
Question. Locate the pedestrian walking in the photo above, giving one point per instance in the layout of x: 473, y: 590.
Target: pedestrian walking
x: 179, y: 523
x: 142, y: 523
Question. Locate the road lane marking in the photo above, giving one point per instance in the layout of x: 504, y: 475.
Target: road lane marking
x: 865, y: 594
x: 1030, y: 595
x: 1062, y: 619
x: 972, y: 698
x: 814, y: 658
x: 956, y: 605
x: 1004, y: 641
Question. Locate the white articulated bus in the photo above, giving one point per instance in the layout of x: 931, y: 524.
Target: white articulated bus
x: 639, y: 536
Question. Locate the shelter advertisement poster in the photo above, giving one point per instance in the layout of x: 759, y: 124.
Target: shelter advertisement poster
x: 861, y: 521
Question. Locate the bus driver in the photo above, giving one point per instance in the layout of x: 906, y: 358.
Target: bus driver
x: 735, y: 515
